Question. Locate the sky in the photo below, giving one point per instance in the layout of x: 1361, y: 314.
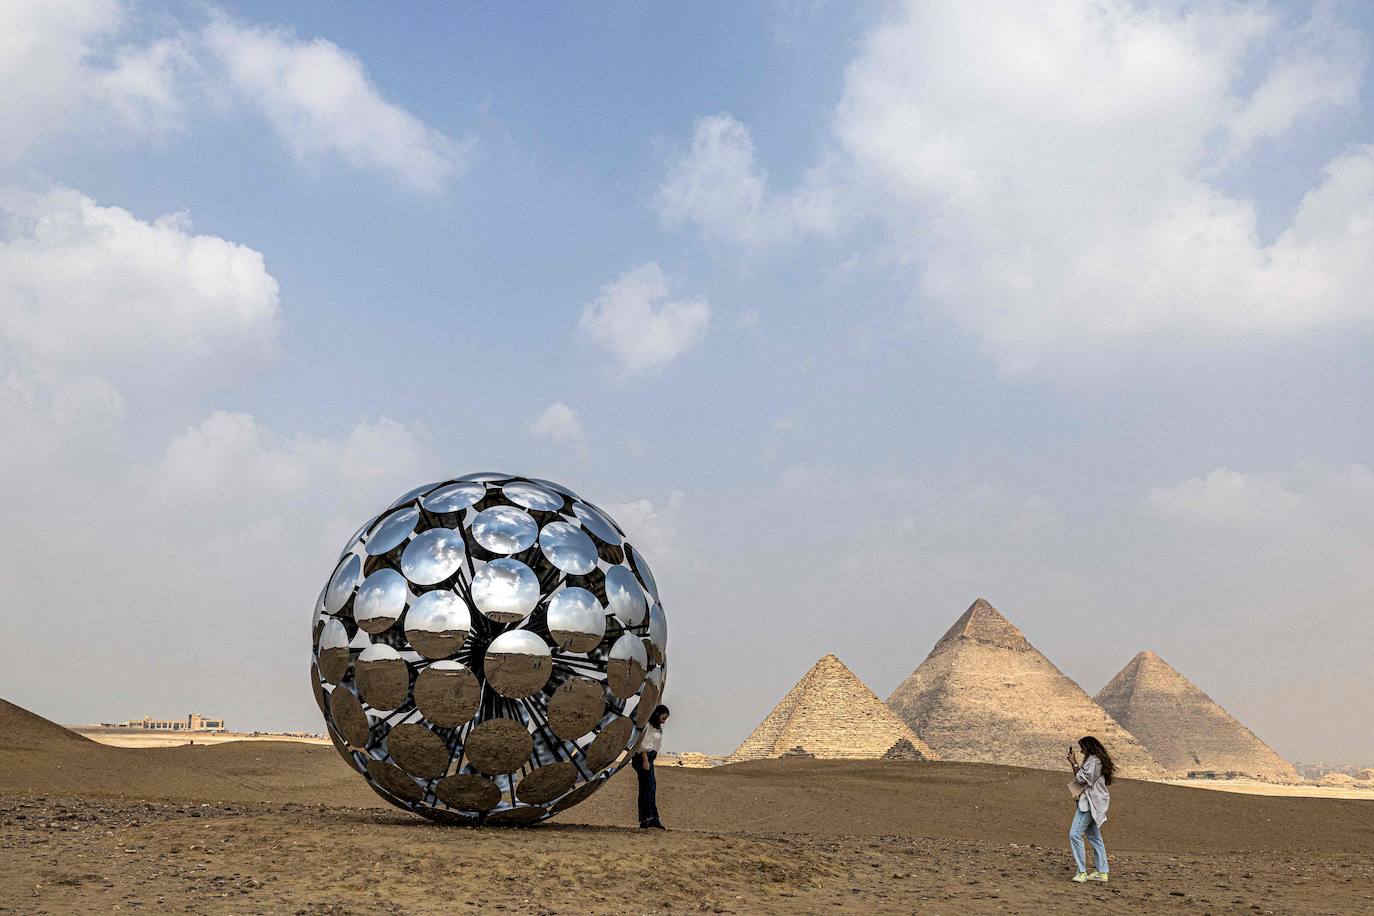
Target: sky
x: 849, y: 313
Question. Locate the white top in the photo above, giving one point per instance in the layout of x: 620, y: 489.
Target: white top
x: 1095, y: 797
x: 653, y: 739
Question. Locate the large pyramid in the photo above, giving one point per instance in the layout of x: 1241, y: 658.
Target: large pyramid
x: 1182, y: 727
x: 985, y: 694
x: 830, y: 714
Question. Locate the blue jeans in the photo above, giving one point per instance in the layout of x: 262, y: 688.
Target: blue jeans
x: 648, y: 789
x: 1083, y: 823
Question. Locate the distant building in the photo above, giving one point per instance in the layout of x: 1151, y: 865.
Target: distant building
x: 194, y: 722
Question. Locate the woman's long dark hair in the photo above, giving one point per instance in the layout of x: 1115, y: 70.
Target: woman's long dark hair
x: 1091, y: 747
x: 656, y: 719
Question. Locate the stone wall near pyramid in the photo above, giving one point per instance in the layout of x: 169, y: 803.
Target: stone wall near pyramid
x: 1182, y: 727
x: 985, y: 694
x: 830, y: 714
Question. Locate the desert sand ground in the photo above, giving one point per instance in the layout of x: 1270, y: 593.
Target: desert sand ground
x: 138, y: 737
x: 262, y: 827
x: 1277, y: 790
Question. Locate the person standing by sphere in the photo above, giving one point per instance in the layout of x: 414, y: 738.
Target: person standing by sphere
x: 1089, y: 787
x: 643, y: 764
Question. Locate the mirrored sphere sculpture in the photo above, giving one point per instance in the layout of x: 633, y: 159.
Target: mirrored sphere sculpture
x: 488, y: 649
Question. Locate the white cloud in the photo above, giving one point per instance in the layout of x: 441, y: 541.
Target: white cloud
x: 1264, y: 502
x: 1056, y: 160
x: 1050, y: 172
x: 145, y: 87
x: 91, y: 288
x: 232, y: 464
x: 558, y: 423
x: 719, y: 187
x: 655, y: 528
x: 322, y: 102
x: 317, y: 96
x: 634, y: 318
x: 51, y: 85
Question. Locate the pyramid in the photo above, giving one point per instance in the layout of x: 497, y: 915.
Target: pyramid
x: 830, y: 714
x: 985, y: 694
x: 1182, y: 727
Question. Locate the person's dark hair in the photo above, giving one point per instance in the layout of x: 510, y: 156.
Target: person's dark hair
x: 1091, y: 747
x: 656, y: 720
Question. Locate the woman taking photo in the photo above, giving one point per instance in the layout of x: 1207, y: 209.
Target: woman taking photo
x: 643, y: 763
x: 1089, y: 786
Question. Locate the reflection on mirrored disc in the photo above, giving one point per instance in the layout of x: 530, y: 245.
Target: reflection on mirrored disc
x: 391, y: 531
x: 498, y: 746
x: 609, y: 742
x: 504, y: 529
x: 341, y: 584
x: 642, y: 567
x: 595, y: 521
x: 320, y: 699
x: 467, y: 792
x: 505, y: 590
x: 578, y: 795
x: 624, y: 597
x: 576, y: 620
x: 658, y: 635
x: 568, y: 548
x: 532, y: 496
x: 486, y: 477
x: 437, y: 623
x: 411, y: 494
x: 626, y: 667
x: 381, y: 599
x: 648, y: 699
x: 576, y: 706
x: 516, y: 817
x: 433, y: 556
x: 447, y: 693
x: 353, y: 541
x: 343, y: 750
x: 552, y: 485
x: 544, y: 784
x: 454, y: 497
x: 348, y: 717
x: 518, y: 663
x: 392, y: 779
x: 334, y: 654
x: 417, y: 750
x: 382, y: 676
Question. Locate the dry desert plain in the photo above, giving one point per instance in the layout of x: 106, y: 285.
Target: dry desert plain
x: 277, y: 827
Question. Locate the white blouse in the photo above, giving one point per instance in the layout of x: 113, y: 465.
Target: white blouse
x: 653, y: 739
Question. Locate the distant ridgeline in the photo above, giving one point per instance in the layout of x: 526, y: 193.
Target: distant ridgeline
x: 985, y: 694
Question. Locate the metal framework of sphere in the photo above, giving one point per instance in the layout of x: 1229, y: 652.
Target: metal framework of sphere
x: 488, y: 649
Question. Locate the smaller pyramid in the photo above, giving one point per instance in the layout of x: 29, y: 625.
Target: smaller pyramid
x: 1182, y: 727
x: 985, y: 694
x: 830, y: 714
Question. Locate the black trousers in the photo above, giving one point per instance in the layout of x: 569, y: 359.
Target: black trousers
x: 648, y: 788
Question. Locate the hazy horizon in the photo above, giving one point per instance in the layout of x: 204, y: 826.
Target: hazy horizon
x: 849, y: 315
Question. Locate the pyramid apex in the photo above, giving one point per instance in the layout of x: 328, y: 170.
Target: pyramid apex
x: 985, y: 624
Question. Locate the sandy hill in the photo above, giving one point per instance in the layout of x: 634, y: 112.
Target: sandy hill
x: 1182, y: 727
x: 986, y: 694
x: 42, y: 756
x: 25, y: 732
x: 831, y: 714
